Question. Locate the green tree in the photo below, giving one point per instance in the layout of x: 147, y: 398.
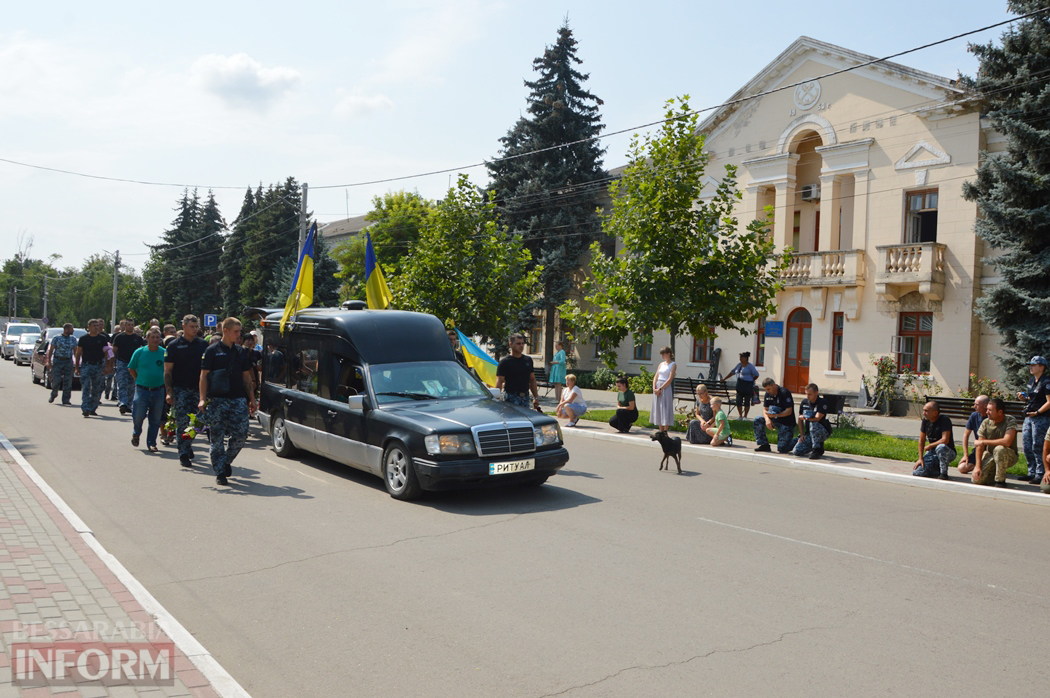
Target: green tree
x: 271, y: 239
x: 467, y: 269
x: 326, y: 285
x: 550, y: 194
x: 1012, y: 189
x: 393, y: 224
x: 88, y: 293
x: 685, y: 264
x: 232, y: 259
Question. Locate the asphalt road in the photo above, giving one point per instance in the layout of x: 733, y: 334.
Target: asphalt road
x: 733, y: 579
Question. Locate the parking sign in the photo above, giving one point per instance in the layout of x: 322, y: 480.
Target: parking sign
x: 211, y: 320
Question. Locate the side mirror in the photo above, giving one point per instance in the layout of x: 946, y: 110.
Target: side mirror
x: 495, y: 393
x: 356, y: 402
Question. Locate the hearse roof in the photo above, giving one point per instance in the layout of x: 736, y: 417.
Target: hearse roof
x: 378, y: 336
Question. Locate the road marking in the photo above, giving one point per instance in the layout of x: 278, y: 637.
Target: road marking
x: 296, y: 470
x: 861, y: 556
x: 221, y: 681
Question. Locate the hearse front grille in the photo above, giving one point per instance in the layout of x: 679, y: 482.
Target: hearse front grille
x: 500, y: 440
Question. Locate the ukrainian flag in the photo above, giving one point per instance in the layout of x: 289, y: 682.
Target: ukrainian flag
x: 477, y: 359
x: 302, y: 293
x: 377, y: 293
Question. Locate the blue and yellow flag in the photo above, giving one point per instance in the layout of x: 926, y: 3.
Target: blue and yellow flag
x: 302, y: 293
x: 477, y: 359
x: 376, y: 291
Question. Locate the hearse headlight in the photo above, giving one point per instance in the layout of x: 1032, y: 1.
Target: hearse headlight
x: 448, y: 443
x: 547, y: 435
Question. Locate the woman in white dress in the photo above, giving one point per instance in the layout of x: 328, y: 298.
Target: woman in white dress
x: 663, y: 391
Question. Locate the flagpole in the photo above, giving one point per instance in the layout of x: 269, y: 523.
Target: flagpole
x: 302, y: 221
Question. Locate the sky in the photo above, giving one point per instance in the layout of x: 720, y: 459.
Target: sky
x: 227, y: 95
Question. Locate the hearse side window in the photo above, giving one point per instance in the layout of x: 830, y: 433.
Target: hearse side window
x: 275, y: 359
x: 351, y: 380
x: 305, y: 364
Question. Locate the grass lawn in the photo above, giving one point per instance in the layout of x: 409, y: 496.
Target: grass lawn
x: 859, y: 442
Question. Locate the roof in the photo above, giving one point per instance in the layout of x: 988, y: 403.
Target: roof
x: 344, y: 227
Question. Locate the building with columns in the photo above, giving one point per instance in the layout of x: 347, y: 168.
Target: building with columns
x: 863, y: 172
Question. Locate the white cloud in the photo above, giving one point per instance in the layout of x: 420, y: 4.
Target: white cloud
x: 352, y: 106
x: 243, y: 81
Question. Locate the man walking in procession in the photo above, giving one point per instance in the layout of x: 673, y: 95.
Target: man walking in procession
x: 226, y: 385
x: 124, y: 345
x: 89, y: 362
x: 60, y: 360
x: 182, y: 374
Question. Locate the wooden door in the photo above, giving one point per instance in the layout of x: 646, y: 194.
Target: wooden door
x: 796, y: 363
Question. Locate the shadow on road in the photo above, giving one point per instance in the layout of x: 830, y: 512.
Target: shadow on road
x: 506, y: 500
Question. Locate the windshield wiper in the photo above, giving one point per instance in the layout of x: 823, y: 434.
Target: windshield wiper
x: 414, y: 396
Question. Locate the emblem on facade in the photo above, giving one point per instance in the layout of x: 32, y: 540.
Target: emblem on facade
x: 807, y: 94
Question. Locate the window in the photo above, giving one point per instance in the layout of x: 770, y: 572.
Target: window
x: 535, y: 341
x: 702, y: 349
x: 643, y: 352
x: 305, y: 365
x: 838, y: 322
x: 275, y: 361
x: 915, y: 341
x: 921, y: 216
x: 760, y: 343
x: 796, y: 231
x: 599, y: 347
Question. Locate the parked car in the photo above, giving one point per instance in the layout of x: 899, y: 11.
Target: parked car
x: 24, y: 349
x: 36, y: 367
x: 12, y: 331
x: 381, y: 391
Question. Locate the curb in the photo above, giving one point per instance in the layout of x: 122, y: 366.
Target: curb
x: 221, y: 681
x: 1023, y: 497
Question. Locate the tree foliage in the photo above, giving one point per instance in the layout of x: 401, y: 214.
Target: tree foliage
x: 1012, y: 189
x: 685, y: 264
x: 550, y: 194
x: 271, y: 239
x: 466, y: 268
x: 393, y: 224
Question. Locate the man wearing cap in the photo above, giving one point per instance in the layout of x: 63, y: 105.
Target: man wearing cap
x: 1036, y: 418
x: 746, y: 375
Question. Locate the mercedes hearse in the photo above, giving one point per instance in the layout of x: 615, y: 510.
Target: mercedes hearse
x: 381, y: 391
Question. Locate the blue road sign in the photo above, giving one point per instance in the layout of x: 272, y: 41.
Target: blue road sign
x: 211, y: 320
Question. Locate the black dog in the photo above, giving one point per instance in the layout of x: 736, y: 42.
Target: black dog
x: 672, y: 449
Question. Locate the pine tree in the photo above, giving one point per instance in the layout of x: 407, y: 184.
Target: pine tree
x: 548, y: 194
x: 233, y: 256
x: 1012, y: 189
x: 271, y: 239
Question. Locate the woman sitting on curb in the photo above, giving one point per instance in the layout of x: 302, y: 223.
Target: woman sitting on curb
x: 572, y: 404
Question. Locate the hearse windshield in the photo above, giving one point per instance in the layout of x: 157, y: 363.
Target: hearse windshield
x: 423, y: 380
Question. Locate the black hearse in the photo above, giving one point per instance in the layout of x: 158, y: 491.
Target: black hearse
x: 380, y: 390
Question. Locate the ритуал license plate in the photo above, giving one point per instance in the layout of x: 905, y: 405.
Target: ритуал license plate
x: 514, y: 466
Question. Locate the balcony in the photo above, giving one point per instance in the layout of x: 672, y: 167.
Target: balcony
x: 831, y: 268
x: 916, y: 266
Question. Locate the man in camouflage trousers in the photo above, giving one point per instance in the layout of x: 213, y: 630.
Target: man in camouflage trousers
x: 227, y: 386
x: 182, y: 372
x: 59, y: 359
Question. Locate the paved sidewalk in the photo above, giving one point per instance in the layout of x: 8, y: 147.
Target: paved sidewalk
x: 62, y: 589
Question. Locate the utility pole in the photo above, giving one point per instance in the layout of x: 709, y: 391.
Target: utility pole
x: 302, y: 223
x: 45, y: 318
x: 113, y: 312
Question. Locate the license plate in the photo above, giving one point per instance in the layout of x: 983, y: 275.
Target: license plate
x: 514, y: 466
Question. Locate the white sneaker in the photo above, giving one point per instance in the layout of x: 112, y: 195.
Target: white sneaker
x: 571, y: 424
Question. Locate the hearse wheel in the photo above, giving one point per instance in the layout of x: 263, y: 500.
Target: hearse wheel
x: 282, y: 443
x: 399, y: 473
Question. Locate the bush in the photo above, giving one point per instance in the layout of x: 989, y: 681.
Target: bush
x: 985, y: 386
x: 642, y: 384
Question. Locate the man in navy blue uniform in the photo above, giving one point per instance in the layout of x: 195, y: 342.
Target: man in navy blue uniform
x: 778, y: 412
x: 813, y: 425
x: 182, y: 375
x: 227, y: 386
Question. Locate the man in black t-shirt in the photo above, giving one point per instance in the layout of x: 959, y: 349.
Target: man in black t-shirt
x: 778, y: 412
x: 813, y: 425
x: 936, y: 443
x: 124, y: 345
x: 89, y: 359
x: 182, y: 375
x: 226, y: 385
x: 515, y: 376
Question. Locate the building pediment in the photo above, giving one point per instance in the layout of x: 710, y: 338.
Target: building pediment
x: 806, y: 95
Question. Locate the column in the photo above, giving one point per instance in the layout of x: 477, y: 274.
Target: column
x: 860, y: 209
x: 784, y: 212
x: 830, y: 200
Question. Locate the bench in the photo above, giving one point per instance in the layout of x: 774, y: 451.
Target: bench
x: 959, y: 409
x: 719, y: 388
x: 543, y: 379
x: 685, y: 389
x: 836, y: 406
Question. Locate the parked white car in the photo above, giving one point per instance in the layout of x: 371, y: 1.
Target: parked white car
x: 24, y: 349
x: 12, y: 332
